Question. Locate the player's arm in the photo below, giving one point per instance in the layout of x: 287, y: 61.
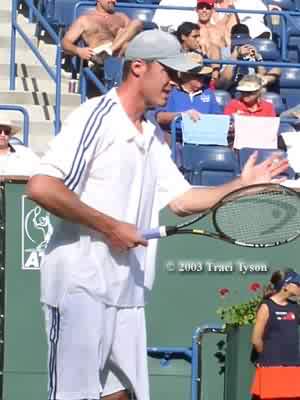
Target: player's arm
x: 52, y: 194
x: 198, y: 199
x: 262, y: 317
x: 72, y: 35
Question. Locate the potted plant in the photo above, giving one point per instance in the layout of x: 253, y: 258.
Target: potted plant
x: 239, y: 320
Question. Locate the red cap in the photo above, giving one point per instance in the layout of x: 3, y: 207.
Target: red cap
x: 209, y: 2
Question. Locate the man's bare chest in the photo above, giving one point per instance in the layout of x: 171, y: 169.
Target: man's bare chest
x: 107, y: 24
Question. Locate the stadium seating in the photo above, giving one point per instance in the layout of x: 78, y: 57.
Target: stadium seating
x: 290, y: 86
x: 288, y: 5
x: 209, y: 165
x: 276, y: 100
x: 223, y: 98
x: 113, y: 71
x: 286, y: 127
x: 263, y: 154
x: 267, y: 48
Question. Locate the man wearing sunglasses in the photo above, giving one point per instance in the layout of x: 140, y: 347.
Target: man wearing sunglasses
x: 14, y: 159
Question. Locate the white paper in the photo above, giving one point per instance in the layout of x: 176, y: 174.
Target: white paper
x: 255, y: 132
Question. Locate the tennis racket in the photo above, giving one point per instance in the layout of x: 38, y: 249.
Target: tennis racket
x: 263, y: 215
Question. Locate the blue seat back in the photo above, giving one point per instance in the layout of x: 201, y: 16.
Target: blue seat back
x: 263, y: 154
x: 143, y: 14
x: 113, y: 71
x: 267, y: 48
x: 209, y: 165
x: 283, y: 4
x: 223, y: 98
x: 290, y: 86
x: 276, y: 100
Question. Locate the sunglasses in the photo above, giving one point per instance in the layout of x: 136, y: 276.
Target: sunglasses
x: 5, y: 129
x: 204, y: 6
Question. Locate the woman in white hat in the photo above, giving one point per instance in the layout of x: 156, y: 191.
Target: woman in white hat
x: 14, y: 159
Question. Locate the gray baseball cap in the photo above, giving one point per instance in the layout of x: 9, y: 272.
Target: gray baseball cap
x: 156, y: 45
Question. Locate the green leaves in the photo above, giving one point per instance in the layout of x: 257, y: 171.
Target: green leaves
x: 240, y: 314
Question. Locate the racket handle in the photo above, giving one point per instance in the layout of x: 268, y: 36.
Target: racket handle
x: 155, y: 233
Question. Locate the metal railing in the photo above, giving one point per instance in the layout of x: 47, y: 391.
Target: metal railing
x: 55, y: 74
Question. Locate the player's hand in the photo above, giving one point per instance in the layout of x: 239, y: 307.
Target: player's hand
x: 124, y: 236
x: 264, y: 172
x: 85, y: 53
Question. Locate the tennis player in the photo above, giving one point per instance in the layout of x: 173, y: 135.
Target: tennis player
x: 106, y: 175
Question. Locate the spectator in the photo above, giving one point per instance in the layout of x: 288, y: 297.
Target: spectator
x: 242, y: 49
x: 225, y: 20
x: 104, y: 31
x: 255, y: 22
x: 169, y: 20
x: 191, y: 97
x: 17, y: 159
x: 251, y: 104
x: 211, y: 33
x: 188, y: 35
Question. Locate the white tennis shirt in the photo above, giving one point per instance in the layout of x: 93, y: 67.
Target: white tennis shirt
x: 100, y: 155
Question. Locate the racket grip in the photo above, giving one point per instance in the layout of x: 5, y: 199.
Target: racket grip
x: 155, y: 233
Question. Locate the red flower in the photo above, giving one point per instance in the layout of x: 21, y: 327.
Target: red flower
x: 223, y: 292
x: 254, y: 286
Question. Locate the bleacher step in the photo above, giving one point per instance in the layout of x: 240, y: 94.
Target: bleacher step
x: 33, y: 85
x: 26, y: 54
x: 25, y: 70
x: 42, y: 113
x: 38, y: 98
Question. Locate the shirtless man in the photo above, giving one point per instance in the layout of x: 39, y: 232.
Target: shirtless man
x: 213, y: 33
x: 103, y: 30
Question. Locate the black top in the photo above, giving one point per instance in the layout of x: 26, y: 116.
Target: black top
x: 281, y: 337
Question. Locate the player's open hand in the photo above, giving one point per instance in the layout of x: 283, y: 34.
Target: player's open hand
x: 264, y: 172
x: 124, y: 236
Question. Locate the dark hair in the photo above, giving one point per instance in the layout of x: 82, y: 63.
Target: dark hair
x: 185, y: 29
x: 126, y: 69
x: 239, y: 29
x: 274, y: 284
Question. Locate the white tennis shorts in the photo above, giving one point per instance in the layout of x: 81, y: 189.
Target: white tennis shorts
x: 95, y: 349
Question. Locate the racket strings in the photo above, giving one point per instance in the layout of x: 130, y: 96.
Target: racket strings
x: 260, y: 218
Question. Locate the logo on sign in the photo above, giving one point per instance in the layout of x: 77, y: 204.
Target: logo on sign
x: 37, y: 229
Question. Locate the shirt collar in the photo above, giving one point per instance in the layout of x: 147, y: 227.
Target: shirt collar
x: 131, y: 132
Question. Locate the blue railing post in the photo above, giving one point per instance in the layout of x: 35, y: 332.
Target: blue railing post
x: 12, y: 69
x: 57, y: 122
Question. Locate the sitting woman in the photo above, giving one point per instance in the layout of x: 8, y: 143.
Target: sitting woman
x: 250, y: 103
x: 191, y: 96
x: 14, y: 159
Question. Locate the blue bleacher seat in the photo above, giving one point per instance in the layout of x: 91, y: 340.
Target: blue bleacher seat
x: 223, y: 98
x: 267, y: 48
x: 290, y: 86
x: 283, y: 4
x: 142, y: 14
x: 286, y: 127
x: 113, y: 71
x: 276, y: 100
x: 209, y: 165
x: 263, y: 154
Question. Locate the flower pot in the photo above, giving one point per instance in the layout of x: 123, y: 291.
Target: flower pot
x: 238, y: 368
